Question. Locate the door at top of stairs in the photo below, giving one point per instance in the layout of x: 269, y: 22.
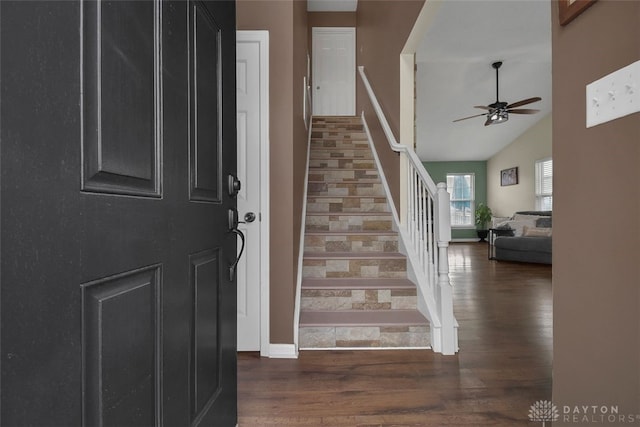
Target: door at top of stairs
x: 334, y: 71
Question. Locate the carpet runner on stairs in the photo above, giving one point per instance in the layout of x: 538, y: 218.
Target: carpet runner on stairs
x: 355, y: 291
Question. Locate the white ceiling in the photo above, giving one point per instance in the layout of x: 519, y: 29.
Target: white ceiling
x: 455, y: 73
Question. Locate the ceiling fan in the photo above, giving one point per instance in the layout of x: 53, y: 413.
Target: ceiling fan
x: 498, y: 112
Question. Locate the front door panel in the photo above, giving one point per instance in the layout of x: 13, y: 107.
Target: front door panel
x: 117, y: 306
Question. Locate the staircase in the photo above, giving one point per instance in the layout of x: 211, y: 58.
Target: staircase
x: 355, y: 291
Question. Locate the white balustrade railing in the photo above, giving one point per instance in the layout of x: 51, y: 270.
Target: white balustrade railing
x: 425, y: 229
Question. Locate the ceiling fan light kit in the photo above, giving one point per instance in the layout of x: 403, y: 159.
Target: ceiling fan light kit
x: 498, y: 112
x: 499, y: 116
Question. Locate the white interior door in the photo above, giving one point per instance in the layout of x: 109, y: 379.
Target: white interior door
x: 334, y: 71
x: 253, y: 199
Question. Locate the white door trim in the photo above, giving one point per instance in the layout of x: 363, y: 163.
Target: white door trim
x: 262, y: 38
x: 351, y: 32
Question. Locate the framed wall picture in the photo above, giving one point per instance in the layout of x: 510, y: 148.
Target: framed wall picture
x: 509, y: 176
x: 569, y: 9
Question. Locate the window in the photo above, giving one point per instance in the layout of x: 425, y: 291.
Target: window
x: 461, y: 187
x: 544, y: 184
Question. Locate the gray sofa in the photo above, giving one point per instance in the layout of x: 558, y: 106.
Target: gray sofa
x: 530, y: 247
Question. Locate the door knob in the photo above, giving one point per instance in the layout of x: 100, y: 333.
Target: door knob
x: 249, y: 217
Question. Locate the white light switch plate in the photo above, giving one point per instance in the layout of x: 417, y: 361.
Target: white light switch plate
x: 613, y: 96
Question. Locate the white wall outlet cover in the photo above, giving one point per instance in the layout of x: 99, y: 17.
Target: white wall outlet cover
x: 613, y: 96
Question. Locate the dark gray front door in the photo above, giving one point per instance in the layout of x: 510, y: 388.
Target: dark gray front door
x: 117, y: 127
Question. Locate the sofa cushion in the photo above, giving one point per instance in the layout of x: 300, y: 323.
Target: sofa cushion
x: 526, y: 244
x: 536, y: 213
x: 523, y: 217
x: 545, y: 222
x: 517, y: 225
x: 536, y: 232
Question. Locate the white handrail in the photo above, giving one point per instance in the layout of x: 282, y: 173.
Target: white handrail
x: 398, y: 148
x: 426, y: 233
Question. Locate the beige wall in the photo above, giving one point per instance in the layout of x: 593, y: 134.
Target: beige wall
x: 534, y: 144
x: 331, y: 19
x: 327, y: 19
x: 300, y: 134
x: 383, y: 29
x: 286, y: 24
x: 596, y: 273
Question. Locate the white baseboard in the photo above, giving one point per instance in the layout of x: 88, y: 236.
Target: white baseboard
x: 283, y: 351
x: 466, y: 239
x: 428, y: 347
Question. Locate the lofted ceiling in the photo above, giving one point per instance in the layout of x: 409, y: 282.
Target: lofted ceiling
x: 454, y: 74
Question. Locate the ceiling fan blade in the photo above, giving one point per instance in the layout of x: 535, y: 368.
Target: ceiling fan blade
x: 524, y: 102
x: 470, y: 117
x: 524, y: 111
x: 489, y: 121
x: 484, y: 107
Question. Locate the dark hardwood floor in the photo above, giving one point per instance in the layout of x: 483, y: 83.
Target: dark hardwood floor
x: 503, y: 367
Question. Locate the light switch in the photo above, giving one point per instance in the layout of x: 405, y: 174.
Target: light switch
x: 613, y: 96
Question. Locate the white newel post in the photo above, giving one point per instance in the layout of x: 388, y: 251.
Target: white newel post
x: 444, y: 290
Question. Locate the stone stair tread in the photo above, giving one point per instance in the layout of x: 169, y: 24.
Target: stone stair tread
x: 356, y: 283
x: 372, y: 213
x: 348, y: 181
x: 322, y: 149
x: 351, y: 181
x: 323, y: 168
x: 354, y: 255
x: 337, y: 133
x: 320, y: 118
x: 346, y: 196
x: 351, y: 233
x: 343, y: 213
x: 363, y: 157
x: 349, y: 158
x: 355, y: 318
x: 320, y: 153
